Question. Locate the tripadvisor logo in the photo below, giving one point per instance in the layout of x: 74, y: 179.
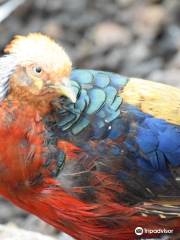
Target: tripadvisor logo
x: 139, y: 231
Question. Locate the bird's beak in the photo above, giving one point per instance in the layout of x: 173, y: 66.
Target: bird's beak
x: 65, y: 89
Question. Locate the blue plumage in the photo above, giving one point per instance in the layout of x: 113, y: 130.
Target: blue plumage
x: 142, y: 149
x: 157, y: 145
x: 161, y: 137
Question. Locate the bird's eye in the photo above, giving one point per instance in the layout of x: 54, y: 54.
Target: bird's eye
x: 37, y: 70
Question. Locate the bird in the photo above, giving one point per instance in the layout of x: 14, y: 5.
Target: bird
x: 93, y: 153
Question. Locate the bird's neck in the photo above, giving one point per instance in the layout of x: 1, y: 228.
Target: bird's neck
x: 40, y: 104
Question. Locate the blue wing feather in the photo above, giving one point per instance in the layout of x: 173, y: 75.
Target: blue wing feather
x: 137, y: 148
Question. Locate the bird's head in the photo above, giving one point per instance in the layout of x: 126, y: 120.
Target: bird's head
x: 36, y: 66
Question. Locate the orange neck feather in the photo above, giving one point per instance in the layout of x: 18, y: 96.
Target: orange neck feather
x: 40, y: 103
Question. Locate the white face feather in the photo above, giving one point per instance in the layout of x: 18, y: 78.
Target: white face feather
x: 7, y: 67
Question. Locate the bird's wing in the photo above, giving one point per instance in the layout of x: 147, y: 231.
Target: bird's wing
x: 121, y: 140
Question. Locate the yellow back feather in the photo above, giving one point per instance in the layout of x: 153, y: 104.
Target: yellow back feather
x: 160, y: 100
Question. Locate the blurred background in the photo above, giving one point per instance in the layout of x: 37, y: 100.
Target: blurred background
x: 139, y: 38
